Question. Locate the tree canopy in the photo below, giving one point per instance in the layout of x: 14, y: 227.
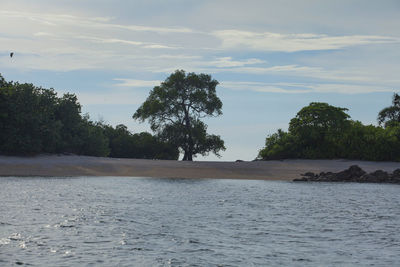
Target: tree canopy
x: 318, y: 126
x: 391, y: 114
x: 35, y: 120
x: 324, y: 131
x: 175, y: 108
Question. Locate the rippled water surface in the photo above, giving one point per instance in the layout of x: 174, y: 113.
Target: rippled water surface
x: 108, y: 221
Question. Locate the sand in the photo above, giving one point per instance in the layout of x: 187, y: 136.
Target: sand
x: 54, y: 165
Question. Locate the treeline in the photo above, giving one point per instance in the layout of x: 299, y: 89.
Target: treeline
x: 35, y: 120
x: 322, y: 131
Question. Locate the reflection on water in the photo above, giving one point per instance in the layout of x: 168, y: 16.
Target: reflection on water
x: 175, y: 222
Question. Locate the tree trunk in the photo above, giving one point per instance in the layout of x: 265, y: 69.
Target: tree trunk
x: 189, y: 151
x: 190, y: 157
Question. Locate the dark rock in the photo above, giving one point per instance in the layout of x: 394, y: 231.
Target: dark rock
x: 239, y: 160
x: 366, y: 178
x: 396, y: 174
x: 378, y: 176
x: 351, y: 173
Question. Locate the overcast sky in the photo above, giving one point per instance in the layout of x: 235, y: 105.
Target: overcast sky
x: 271, y: 57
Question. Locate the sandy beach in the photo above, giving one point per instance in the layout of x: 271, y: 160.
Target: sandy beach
x: 54, y: 165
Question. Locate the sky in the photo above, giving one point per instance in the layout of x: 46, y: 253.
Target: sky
x: 271, y: 58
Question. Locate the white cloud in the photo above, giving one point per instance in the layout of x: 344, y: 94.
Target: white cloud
x: 136, y: 83
x: 264, y: 87
x: 159, y: 46
x: 280, y: 87
x: 297, y: 88
x: 60, y: 42
x: 94, y: 22
x: 38, y: 34
x: 63, y: 42
x: 125, y: 42
x: 269, y: 41
x: 110, y: 40
x: 223, y: 62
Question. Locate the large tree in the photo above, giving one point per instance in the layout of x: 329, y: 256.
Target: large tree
x: 175, y: 108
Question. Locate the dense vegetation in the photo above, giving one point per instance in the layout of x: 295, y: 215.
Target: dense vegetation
x: 35, y: 120
x: 322, y: 131
x: 175, y: 108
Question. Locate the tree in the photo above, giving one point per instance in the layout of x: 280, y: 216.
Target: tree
x: 390, y: 114
x: 280, y: 145
x: 124, y: 144
x: 175, y: 108
x: 35, y: 120
x: 318, y: 127
x: 315, y: 132
x: 323, y: 131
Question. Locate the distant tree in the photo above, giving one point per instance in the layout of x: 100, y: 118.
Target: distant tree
x: 175, y: 108
x: 28, y: 122
x: 317, y: 127
x: 369, y: 142
x: 315, y: 132
x: 320, y: 117
x: 93, y: 140
x: 34, y: 120
x: 280, y: 145
x: 68, y: 112
x: 124, y: 144
x: 391, y: 114
x: 323, y: 131
x: 3, y: 82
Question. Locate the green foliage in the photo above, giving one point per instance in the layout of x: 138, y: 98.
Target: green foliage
x: 27, y: 122
x: 124, y: 144
x: 93, y: 141
x: 174, y: 110
x: 34, y: 120
x: 317, y: 128
x: 390, y: 115
x: 279, y: 145
x: 323, y: 131
x: 368, y: 142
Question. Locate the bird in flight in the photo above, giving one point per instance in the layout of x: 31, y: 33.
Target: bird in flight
x: 11, y: 54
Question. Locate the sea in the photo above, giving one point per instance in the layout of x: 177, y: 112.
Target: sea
x: 127, y: 221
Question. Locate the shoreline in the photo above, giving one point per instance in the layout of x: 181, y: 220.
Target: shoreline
x: 74, y: 166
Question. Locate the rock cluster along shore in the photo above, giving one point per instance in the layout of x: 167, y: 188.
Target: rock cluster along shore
x: 352, y: 174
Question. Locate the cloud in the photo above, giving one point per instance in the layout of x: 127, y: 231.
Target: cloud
x: 39, y: 34
x: 269, y: 41
x: 293, y: 68
x: 65, y: 42
x: 94, y: 22
x: 319, y: 74
x: 280, y: 87
x: 110, y: 40
x: 62, y: 42
x: 136, y: 83
x: 300, y: 88
x: 223, y: 62
x: 125, y: 42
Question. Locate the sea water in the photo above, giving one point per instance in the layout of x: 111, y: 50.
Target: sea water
x: 111, y: 221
